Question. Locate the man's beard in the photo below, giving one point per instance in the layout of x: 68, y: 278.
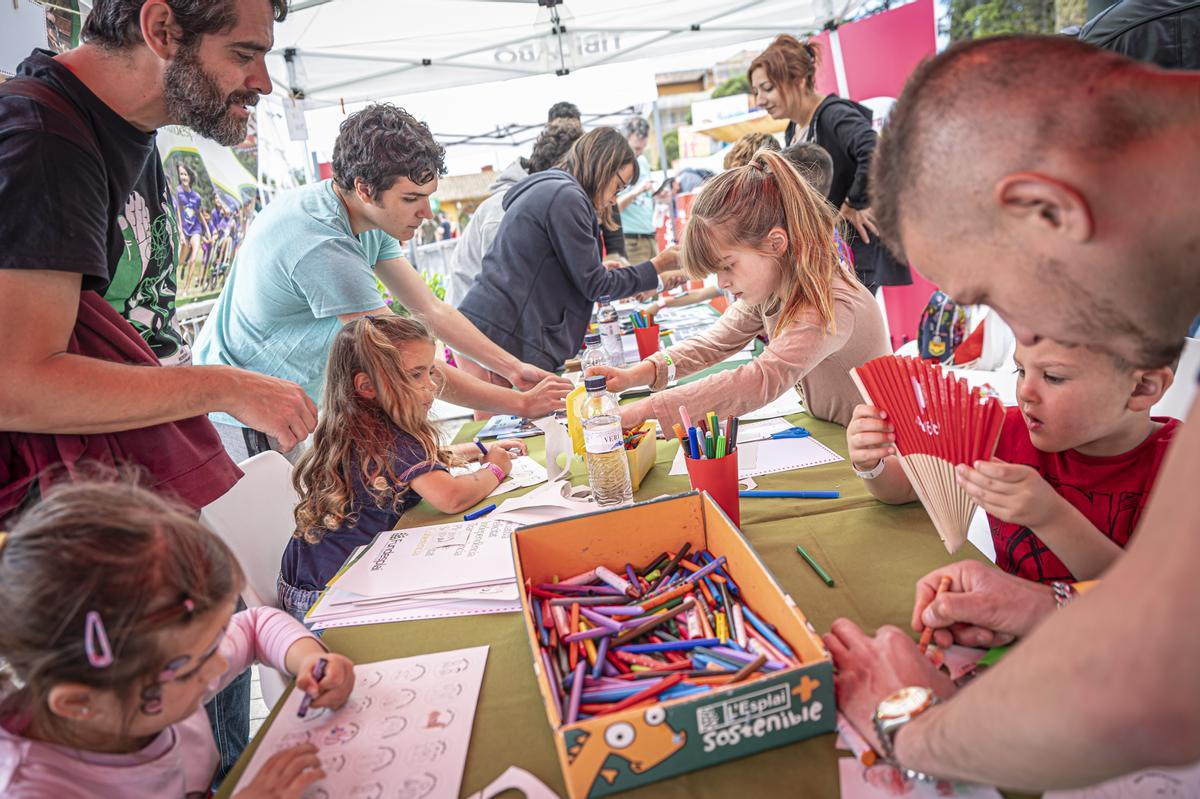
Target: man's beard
x: 194, y: 99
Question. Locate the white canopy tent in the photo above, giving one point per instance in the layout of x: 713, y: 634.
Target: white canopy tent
x: 340, y: 51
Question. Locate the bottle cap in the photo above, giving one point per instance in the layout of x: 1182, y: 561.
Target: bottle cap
x: 591, y: 340
x: 595, y: 383
x: 605, y: 300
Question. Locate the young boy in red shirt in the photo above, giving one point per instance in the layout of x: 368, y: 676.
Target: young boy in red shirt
x: 1073, y: 468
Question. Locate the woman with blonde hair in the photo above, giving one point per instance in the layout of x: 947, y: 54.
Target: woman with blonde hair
x: 544, y: 270
x: 769, y: 238
x: 375, y: 453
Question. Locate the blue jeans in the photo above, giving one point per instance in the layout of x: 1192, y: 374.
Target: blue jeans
x: 229, y: 717
x: 296, y: 601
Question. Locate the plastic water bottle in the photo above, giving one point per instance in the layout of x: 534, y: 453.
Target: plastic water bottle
x: 594, y: 354
x: 604, y: 445
x: 610, y: 332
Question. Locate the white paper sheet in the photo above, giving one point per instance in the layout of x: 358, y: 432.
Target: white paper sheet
x: 438, y: 557
x: 516, y: 779
x: 786, y: 405
x: 1154, y: 783
x: 884, y: 782
x: 769, y: 457
x: 525, y: 472
x: 435, y: 610
x: 404, y: 731
x: 760, y: 431
x: 548, y: 503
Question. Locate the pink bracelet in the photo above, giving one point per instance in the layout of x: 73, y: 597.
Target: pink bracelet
x: 494, y: 469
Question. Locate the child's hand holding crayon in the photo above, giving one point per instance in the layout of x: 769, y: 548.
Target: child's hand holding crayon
x: 329, y: 686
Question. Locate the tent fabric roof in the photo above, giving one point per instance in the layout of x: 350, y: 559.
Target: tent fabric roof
x: 350, y: 50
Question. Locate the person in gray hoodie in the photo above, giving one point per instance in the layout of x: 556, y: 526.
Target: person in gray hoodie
x: 467, y: 262
x: 544, y: 271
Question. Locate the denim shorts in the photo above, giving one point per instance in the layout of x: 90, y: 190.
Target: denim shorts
x: 296, y: 601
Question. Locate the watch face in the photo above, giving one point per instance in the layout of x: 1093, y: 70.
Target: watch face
x: 904, y: 703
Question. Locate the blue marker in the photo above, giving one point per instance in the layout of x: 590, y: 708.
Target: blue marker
x: 693, y: 443
x: 470, y: 517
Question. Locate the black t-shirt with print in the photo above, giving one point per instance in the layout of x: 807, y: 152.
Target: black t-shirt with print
x: 84, y: 191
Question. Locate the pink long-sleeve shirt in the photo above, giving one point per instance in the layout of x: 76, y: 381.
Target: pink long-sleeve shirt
x: 179, y: 762
x: 804, y: 355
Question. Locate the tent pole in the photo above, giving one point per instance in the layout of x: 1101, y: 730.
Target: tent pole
x: 665, y: 163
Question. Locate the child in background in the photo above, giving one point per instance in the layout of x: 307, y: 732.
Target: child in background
x: 768, y: 236
x: 375, y: 454
x: 742, y: 150
x: 119, y: 626
x: 1073, y: 468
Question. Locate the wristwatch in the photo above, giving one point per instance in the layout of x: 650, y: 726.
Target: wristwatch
x: 1063, y: 594
x: 893, y: 713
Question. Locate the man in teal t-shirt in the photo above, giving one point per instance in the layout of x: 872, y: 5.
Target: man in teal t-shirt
x: 309, y: 264
x: 637, y: 204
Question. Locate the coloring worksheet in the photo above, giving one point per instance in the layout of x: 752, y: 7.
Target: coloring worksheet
x: 403, y: 733
x: 525, y: 472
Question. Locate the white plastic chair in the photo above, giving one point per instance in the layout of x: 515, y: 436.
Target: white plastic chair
x: 1178, y: 399
x: 255, y: 519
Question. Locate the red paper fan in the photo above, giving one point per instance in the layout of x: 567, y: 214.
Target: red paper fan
x: 940, y: 422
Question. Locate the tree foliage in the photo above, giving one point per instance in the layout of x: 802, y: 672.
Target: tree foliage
x: 975, y: 19
x: 738, y: 84
x: 671, y: 145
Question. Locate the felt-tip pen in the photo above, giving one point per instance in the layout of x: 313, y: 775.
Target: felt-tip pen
x: 484, y: 511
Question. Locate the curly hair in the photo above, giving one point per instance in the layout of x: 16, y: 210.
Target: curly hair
x: 381, y: 144
x: 636, y: 126
x: 553, y: 144
x: 563, y: 110
x: 744, y: 148
x: 116, y: 24
x: 355, y: 435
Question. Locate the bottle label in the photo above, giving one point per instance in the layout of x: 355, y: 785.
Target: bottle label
x: 610, y: 330
x: 602, y: 439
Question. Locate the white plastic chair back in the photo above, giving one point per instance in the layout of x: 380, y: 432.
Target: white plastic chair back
x: 255, y: 519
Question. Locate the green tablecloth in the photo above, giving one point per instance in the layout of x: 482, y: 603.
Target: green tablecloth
x: 874, y: 552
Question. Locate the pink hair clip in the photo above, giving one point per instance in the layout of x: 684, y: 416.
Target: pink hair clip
x: 95, y: 642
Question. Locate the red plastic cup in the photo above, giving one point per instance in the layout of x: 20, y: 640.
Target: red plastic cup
x: 647, y: 340
x: 719, y: 477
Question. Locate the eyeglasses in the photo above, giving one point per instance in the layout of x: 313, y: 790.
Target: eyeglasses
x: 622, y: 185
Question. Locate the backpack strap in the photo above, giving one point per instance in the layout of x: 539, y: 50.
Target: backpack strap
x: 67, y: 119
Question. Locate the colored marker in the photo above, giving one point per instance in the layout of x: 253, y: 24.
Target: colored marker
x: 470, y: 517
x: 815, y: 566
x: 927, y: 633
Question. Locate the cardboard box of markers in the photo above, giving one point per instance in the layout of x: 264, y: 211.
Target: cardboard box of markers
x: 612, y: 748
